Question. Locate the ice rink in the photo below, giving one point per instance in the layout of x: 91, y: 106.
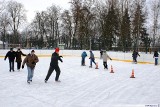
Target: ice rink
x: 81, y: 86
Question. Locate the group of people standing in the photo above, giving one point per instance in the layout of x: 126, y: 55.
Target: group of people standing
x: 103, y: 55
x: 30, y: 60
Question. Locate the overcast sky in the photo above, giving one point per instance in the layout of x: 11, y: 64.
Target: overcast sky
x: 38, y: 5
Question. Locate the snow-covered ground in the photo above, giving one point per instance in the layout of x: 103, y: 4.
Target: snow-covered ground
x: 81, y: 86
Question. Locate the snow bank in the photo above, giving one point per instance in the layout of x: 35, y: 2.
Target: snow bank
x: 144, y: 58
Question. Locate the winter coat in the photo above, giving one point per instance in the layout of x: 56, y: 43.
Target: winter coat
x: 135, y: 54
x: 91, y: 56
x: 156, y: 55
x: 11, y: 55
x: 54, y: 59
x: 30, y: 60
x: 105, y: 57
x: 18, y: 56
x: 84, y: 54
x: 101, y: 52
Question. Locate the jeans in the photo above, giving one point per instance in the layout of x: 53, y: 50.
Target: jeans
x: 30, y: 73
x: 11, y: 65
x: 156, y: 61
x: 92, y: 60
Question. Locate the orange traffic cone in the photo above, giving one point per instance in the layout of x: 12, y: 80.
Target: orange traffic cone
x: 132, y: 76
x: 112, y: 69
x: 97, y: 66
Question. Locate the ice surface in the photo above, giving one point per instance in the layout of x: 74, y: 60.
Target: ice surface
x: 81, y: 86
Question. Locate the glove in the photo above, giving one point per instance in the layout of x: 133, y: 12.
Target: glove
x: 22, y: 66
x: 110, y: 59
x: 33, y: 62
x: 61, y: 56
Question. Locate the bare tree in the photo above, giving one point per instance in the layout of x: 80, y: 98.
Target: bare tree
x: 156, y: 18
x: 17, y: 16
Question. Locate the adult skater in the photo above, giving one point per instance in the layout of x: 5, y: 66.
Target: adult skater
x: 135, y: 55
x: 92, y: 59
x: 30, y: 60
x: 156, y: 55
x: 19, y: 58
x: 83, y: 55
x: 105, y: 56
x: 11, y: 56
x: 54, y: 66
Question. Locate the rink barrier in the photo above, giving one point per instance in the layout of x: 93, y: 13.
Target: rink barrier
x: 115, y: 59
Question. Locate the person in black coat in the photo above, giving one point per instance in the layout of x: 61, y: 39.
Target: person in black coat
x: 11, y: 56
x: 19, y: 58
x: 135, y: 55
x: 54, y: 65
x: 156, y: 55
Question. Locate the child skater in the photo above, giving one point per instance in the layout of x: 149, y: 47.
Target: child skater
x: 105, y: 56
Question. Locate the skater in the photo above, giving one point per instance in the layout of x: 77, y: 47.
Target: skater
x: 156, y: 55
x: 84, y: 55
x: 54, y: 66
x: 30, y: 60
x: 105, y: 56
x: 92, y: 59
x: 11, y: 56
x: 19, y: 58
x: 135, y: 55
x: 101, y: 53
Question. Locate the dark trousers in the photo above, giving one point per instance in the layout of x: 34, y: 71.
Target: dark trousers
x: 135, y: 59
x: 83, y: 62
x: 11, y: 65
x: 105, y: 65
x: 92, y: 60
x: 18, y: 65
x: 156, y: 61
x: 51, y: 69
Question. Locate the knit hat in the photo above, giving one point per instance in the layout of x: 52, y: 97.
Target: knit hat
x: 57, y: 50
x: 32, y: 51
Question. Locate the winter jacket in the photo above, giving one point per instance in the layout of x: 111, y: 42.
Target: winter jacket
x: 135, y: 54
x: 91, y: 55
x: 54, y: 59
x: 156, y: 55
x: 84, y: 54
x: 11, y: 55
x: 105, y: 57
x: 30, y: 60
x: 18, y: 56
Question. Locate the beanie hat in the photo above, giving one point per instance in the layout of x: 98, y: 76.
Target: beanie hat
x: 57, y: 50
x: 32, y: 51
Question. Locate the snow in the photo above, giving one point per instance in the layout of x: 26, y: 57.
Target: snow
x: 81, y: 86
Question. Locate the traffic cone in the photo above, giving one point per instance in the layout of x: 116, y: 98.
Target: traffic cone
x: 132, y: 76
x: 97, y: 66
x: 112, y: 69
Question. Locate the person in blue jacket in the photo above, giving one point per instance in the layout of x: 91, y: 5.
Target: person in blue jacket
x: 83, y: 55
